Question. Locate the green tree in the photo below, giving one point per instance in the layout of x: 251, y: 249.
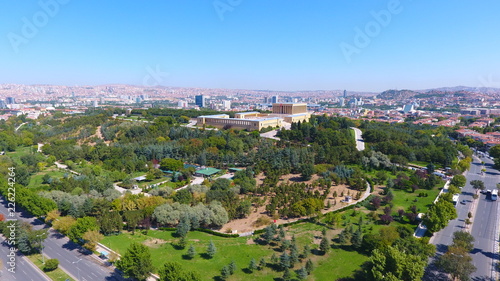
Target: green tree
x: 211, y: 250
x: 324, y: 246
x: 262, y: 264
x: 136, y: 263
x: 191, y: 253
x: 457, y: 262
x: 253, y: 265
x: 309, y: 266
x: 439, y: 214
x: 390, y: 263
x: 477, y: 184
x: 285, y: 261
x: 81, y: 226
x: 357, y: 238
x: 171, y: 164
x: 221, y: 184
x: 495, y: 151
x: 173, y: 271
x: 463, y: 240
x: 232, y: 267
x: 225, y: 272
x: 307, y: 171
x: 458, y: 180
x: 287, y: 276
x: 91, y: 238
x: 302, y: 273
x: 50, y: 265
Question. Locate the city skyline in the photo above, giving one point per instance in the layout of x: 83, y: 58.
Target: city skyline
x: 252, y: 45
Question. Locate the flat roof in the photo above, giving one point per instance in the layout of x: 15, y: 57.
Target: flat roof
x: 297, y: 114
x: 262, y: 119
x: 250, y: 112
x: 213, y: 116
x: 208, y: 171
x: 296, y: 103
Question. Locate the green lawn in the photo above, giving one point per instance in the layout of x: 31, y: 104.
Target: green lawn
x: 20, y: 151
x: 55, y: 275
x: 404, y: 199
x: 36, y: 180
x: 228, y: 249
x: 340, y: 264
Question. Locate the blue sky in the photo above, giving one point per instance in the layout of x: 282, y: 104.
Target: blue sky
x: 252, y: 44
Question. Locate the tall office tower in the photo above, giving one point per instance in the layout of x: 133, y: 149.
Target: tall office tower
x: 10, y: 100
x: 275, y: 99
x: 95, y: 103
x: 266, y: 99
x: 226, y: 104
x: 345, y: 94
x: 3, y: 104
x: 200, y: 100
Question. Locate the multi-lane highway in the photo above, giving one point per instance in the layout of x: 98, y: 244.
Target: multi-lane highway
x: 485, y: 227
x: 79, y: 265
x: 24, y: 270
x: 485, y: 222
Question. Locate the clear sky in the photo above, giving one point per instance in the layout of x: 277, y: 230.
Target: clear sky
x: 252, y: 44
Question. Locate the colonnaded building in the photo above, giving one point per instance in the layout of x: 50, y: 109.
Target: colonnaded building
x: 251, y: 121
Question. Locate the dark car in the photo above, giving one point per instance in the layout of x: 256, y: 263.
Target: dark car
x: 463, y: 202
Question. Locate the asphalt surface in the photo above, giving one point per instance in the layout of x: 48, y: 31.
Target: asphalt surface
x: 360, y: 143
x: 24, y: 270
x: 72, y: 258
x: 484, y: 227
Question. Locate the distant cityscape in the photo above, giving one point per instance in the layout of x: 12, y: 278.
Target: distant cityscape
x: 439, y: 107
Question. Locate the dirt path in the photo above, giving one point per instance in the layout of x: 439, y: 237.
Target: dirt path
x: 247, y: 224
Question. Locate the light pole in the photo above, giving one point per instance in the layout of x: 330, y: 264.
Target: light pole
x: 41, y: 247
x: 77, y: 267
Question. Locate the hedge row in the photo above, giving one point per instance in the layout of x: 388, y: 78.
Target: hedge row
x: 209, y: 231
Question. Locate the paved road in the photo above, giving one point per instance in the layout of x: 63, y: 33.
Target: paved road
x: 25, y: 271
x: 68, y: 253
x: 360, y: 143
x: 485, y: 223
x: 485, y: 226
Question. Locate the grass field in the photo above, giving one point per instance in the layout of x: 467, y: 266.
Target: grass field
x: 37, y: 179
x: 16, y: 155
x: 56, y: 275
x: 338, y: 263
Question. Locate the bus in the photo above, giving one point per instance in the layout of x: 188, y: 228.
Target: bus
x: 455, y: 199
x: 494, y: 194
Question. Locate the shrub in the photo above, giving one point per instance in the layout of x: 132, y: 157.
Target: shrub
x: 51, y: 264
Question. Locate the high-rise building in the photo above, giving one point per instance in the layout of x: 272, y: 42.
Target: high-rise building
x: 3, y: 104
x: 10, y: 100
x: 226, y: 104
x: 275, y: 99
x: 95, y: 103
x: 200, y: 100
x: 345, y: 94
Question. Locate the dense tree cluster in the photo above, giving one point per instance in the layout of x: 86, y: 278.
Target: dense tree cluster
x: 408, y: 142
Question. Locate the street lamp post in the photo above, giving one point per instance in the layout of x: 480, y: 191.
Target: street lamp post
x: 77, y: 267
x: 41, y: 247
